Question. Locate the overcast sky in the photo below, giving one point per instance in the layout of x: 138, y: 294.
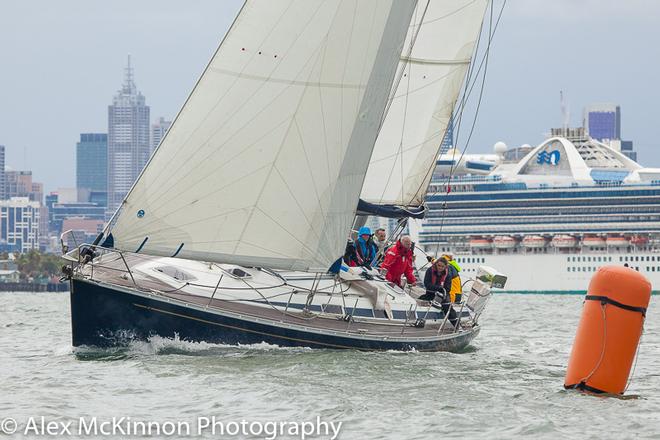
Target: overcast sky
x: 62, y: 61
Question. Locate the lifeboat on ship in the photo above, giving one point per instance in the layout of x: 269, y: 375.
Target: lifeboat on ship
x: 533, y: 241
x: 504, y: 242
x: 480, y: 243
x: 593, y: 241
x: 639, y: 240
x: 617, y: 241
x: 564, y: 241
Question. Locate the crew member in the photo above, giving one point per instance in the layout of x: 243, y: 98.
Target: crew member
x: 380, y: 240
x: 365, y: 249
x: 453, y: 269
x: 437, y: 282
x: 399, y: 262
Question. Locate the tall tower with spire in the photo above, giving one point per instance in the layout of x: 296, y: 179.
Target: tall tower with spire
x: 128, y: 139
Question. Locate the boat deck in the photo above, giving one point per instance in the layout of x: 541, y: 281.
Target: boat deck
x: 113, y: 271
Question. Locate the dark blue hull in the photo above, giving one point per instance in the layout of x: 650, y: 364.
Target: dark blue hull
x: 103, y: 316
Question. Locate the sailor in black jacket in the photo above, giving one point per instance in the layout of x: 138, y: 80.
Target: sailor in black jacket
x: 437, y: 282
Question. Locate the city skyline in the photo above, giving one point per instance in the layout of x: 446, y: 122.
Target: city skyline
x: 533, y: 56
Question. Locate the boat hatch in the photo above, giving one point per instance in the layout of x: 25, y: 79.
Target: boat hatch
x: 236, y: 272
x: 176, y: 273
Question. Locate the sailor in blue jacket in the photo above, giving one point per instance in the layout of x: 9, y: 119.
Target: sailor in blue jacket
x: 366, y: 249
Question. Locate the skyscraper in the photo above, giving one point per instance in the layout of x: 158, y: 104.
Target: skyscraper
x: 128, y: 139
x: 92, y: 162
x: 3, y: 192
x: 158, y: 130
x: 448, y: 140
x: 603, y: 121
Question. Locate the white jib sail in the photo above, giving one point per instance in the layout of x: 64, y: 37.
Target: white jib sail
x: 405, y: 153
x: 264, y: 163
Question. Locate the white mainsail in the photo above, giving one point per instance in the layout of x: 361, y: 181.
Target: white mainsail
x: 264, y: 163
x: 444, y: 33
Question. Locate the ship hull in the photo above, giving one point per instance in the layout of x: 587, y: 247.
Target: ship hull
x: 559, y: 272
x: 105, y: 315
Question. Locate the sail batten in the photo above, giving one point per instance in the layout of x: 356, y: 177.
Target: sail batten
x: 429, y: 61
x: 441, y: 41
x: 264, y: 164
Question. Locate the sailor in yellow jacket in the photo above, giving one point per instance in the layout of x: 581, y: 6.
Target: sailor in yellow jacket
x: 453, y: 270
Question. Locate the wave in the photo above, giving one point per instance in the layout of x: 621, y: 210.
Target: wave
x: 131, y: 347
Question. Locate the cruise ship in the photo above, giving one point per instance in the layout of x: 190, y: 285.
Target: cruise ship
x: 554, y: 213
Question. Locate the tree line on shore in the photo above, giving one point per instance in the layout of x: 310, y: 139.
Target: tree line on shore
x: 35, y: 266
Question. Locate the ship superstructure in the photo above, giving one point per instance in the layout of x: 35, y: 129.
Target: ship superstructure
x: 571, y: 205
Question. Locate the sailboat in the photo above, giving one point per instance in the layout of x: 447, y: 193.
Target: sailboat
x: 311, y: 114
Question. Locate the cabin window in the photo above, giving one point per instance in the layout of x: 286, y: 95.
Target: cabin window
x: 332, y: 308
x: 363, y: 312
x: 380, y: 314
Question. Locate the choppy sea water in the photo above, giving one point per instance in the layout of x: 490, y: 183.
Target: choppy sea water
x: 507, y: 384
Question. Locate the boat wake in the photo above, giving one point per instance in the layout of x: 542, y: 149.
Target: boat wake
x: 159, y: 346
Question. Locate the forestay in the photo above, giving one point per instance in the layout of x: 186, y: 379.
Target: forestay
x: 264, y: 163
x: 444, y: 35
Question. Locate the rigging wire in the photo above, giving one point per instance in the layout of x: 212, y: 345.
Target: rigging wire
x: 484, y: 63
x: 407, y: 64
x: 400, y: 74
x: 464, y: 96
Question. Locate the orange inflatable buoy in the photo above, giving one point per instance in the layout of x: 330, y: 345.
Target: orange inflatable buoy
x: 608, y: 334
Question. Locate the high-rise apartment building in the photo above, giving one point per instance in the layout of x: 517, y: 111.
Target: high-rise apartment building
x: 3, y: 192
x: 128, y: 139
x: 92, y: 162
x: 603, y: 121
x: 158, y: 130
x: 19, y: 224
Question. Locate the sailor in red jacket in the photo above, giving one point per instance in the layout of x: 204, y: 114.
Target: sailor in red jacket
x: 399, y: 261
